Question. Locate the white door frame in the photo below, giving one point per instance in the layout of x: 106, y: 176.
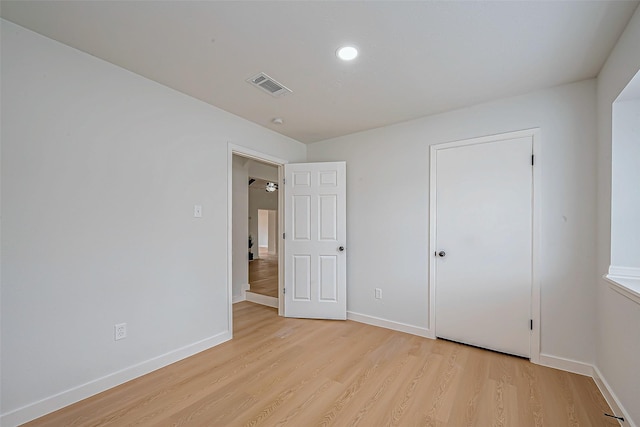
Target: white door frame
x: 535, y: 281
x: 233, y: 149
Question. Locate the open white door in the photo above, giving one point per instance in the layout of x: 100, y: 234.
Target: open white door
x: 315, y: 273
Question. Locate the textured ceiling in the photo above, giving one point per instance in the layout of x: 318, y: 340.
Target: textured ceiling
x: 416, y: 58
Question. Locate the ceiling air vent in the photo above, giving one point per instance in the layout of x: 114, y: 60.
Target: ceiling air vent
x: 269, y: 85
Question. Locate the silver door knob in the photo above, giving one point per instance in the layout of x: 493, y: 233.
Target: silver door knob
x: 441, y: 254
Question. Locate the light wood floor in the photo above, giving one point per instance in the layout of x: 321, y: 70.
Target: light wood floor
x: 263, y: 275
x: 301, y: 373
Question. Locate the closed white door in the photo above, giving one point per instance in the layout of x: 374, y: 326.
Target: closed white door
x: 484, y: 244
x: 315, y: 282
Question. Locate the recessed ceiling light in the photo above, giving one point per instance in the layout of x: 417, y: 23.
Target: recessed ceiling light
x: 347, y: 53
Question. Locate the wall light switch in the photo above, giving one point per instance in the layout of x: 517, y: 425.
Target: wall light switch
x: 197, y: 211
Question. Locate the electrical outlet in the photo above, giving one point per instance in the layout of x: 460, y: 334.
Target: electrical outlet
x: 120, y: 331
x: 378, y: 293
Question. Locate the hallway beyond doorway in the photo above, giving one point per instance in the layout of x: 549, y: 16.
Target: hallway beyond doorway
x: 263, y: 274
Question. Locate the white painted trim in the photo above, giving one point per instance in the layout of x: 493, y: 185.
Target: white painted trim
x: 432, y: 237
x: 626, y: 286
x: 243, y: 294
x: 618, y: 271
x: 611, y: 398
x: 625, y: 281
x: 281, y: 242
x: 83, y: 391
x: 535, y: 135
x: 265, y: 158
x: 262, y: 299
x: 255, y: 155
x: 389, y: 324
x: 536, y: 252
x: 593, y: 372
x: 488, y: 138
x: 563, y: 364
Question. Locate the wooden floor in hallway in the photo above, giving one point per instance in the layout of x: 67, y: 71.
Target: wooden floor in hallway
x: 296, y: 372
x: 263, y: 274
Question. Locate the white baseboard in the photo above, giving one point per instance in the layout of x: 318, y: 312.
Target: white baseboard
x: 262, y: 299
x: 389, y: 324
x: 612, y: 399
x: 566, y: 364
x: 68, y: 397
x: 242, y: 296
x: 593, y: 372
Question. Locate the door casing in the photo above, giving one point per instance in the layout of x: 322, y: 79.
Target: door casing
x: 535, y: 283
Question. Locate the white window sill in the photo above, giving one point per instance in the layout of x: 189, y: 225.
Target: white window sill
x: 626, y: 286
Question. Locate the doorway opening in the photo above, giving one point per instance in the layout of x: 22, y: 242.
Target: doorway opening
x: 316, y: 224
x: 263, y: 231
x: 253, y: 184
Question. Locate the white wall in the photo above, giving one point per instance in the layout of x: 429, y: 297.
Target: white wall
x: 240, y: 227
x: 273, y: 232
x: 262, y: 170
x: 263, y: 228
x: 388, y: 216
x: 617, y: 338
x: 625, y: 185
x: 101, y: 169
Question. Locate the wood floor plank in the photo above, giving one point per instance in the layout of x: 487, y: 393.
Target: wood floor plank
x: 300, y: 372
x: 263, y: 274
x: 466, y: 407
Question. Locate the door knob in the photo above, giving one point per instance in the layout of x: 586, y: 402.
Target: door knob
x: 441, y: 254
x: 341, y: 248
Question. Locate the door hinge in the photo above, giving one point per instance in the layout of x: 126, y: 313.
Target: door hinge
x: 284, y: 290
x: 284, y: 181
x: 283, y: 234
x: 533, y: 160
x: 531, y: 324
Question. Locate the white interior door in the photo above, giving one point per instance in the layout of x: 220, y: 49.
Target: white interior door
x: 484, y: 244
x: 315, y: 281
